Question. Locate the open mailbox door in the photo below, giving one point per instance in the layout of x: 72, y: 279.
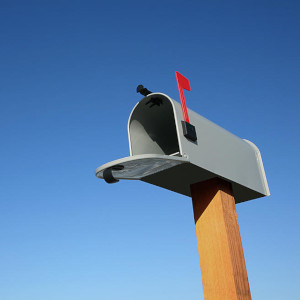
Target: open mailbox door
x: 163, y: 155
x: 138, y: 167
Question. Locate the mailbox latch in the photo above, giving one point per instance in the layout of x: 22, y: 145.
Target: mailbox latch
x: 189, y: 131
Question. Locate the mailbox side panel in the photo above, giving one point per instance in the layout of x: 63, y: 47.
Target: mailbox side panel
x: 222, y: 153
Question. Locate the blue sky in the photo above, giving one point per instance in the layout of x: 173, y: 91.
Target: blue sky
x: 68, y: 72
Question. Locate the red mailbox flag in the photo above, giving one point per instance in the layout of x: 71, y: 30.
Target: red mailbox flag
x: 183, y: 83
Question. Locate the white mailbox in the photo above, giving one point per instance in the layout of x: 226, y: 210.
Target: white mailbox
x: 165, y: 153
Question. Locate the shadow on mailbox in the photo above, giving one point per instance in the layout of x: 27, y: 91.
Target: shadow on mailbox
x: 161, y: 153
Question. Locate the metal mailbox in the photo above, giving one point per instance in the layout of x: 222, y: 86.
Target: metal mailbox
x: 164, y: 154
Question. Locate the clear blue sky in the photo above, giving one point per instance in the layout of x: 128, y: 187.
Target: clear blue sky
x: 68, y: 72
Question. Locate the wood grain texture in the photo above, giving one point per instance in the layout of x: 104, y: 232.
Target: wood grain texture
x: 223, y: 268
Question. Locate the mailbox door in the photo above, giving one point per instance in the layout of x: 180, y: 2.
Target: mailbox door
x: 139, y: 166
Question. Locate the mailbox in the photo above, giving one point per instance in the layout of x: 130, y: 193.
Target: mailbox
x: 168, y: 152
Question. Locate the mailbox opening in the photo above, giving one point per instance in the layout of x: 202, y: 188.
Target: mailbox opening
x: 152, y: 127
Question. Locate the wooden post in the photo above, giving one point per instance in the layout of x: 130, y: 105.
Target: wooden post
x: 223, y: 268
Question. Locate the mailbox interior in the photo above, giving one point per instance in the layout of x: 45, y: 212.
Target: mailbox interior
x: 152, y: 127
